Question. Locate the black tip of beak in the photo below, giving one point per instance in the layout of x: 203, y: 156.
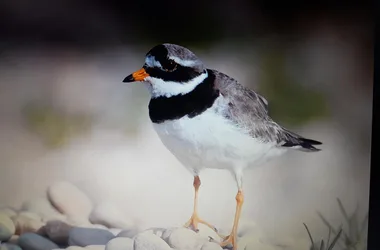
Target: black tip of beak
x: 129, y: 79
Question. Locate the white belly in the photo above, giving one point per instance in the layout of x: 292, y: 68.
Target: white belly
x: 211, y: 141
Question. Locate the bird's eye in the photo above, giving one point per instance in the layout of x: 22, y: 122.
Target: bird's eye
x: 170, y: 66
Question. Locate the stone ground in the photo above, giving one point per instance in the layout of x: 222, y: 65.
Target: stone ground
x: 68, y: 219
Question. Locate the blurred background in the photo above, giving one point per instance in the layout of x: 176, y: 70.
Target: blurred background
x: 65, y: 115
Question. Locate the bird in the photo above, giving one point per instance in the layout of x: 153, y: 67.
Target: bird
x: 207, y: 119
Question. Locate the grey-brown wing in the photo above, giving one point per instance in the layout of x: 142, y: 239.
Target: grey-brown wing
x: 249, y: 110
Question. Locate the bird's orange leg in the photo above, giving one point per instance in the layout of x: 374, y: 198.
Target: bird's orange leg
x: 195, y: 220
x: 232, y: 238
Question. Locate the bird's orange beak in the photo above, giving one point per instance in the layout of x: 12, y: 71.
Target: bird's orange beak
x: 139, y: 75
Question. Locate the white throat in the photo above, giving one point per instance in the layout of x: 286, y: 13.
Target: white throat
x: 159, y: 87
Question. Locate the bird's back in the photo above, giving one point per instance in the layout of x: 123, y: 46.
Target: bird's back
x: 249, y: 110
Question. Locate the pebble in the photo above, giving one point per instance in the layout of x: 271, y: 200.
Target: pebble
x: 206, y: 233
x: 121, y: 243
x: 7, y: 246
x: 78, y: 221
x: 69, y: 200
x: 99, y: 226
x: 32, y: 241
x: 155, y: 230
x: 7, y: 227
x: 145, y: 241
x: 128, y: 233
x: 211, y: 246
x: 110, y: 216
x: 89, y: 236
x: 185, y: 239
x: 43, y: 208
x: 165, y: 234
x: 30, y: 215
x: 58, y: 231
x: 95, y: 247
x: 74, y: 248
x: 25, y: 224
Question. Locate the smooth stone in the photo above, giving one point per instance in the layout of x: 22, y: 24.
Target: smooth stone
x: 211, y: 246
x: 25, y: 224
x: 128, y: 233
x: 89, y: 236
x: 43, y: 208
x: 207, y: 233
x: 32, y: 241
x: 147, y: 241
x: 7, y: 227
x: 58, y: 231
x: 121, y: 243
x: 99, y: 226
x: 78, y: 221
x: 75, y: 248
x: 165, y: 234
x: 95, y: 247
x: 8, y: 246
x: 155, y: 230
x: 185, y: 239
x: 69, y: 200
x: 110, y: 216
x: 30, y: 215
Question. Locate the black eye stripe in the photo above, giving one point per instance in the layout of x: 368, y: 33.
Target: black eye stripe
x: 169, y: 64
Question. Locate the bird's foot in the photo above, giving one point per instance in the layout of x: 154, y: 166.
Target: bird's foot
x: 195, y: 220
x: 228, y: 241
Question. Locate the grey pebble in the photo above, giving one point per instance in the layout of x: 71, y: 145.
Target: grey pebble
x: 7, y: 246
x: 82, y: 237
x: 58, y: 231
x: 32, y: 241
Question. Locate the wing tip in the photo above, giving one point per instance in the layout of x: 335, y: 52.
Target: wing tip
x: 303, y: 144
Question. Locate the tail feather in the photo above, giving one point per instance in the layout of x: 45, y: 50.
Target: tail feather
x: 298, y: 142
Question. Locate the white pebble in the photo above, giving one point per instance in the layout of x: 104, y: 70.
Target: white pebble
x: 185, y: 239
x: 206, y: 232
x: 30, y: 215
x: 146, y: 241
x: 211, y: 246
x: 120, y: 243
x: 43, y: 208
x: 95, y: 247
x: 110, y: 216
x: 7, y: 227
x: 25, y: 224
x: 69, y: 200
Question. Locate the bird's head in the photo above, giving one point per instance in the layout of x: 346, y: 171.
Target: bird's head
x: 170, y: 70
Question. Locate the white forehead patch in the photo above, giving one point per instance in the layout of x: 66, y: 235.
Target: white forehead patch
x: 186, y: 63
x: 151, y: 62
x: 159, y: 87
